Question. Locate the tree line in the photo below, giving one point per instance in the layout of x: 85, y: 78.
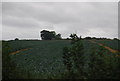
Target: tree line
x: 52, y: 35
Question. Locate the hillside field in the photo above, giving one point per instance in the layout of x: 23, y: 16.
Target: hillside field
x: 43, y: 58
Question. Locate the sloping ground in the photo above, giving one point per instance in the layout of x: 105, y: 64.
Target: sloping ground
x: 114, y: 44
x: 42, y: 59
x: 108, y: 48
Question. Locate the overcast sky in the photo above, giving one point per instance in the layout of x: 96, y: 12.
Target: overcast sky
x: 25, y: 20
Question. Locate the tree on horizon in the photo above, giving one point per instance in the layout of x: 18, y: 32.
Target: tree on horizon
x: 49, y: 35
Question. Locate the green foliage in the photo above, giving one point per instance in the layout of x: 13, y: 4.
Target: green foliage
x: 16, y: 39
x: 103, y: 65
x: 58, y: 36
x: 87, y: 38
x: 115, y: 39
x: 9, y: 68
x: 77, y: 51
x: 73, y: 57
x: 7, y: 65
x: 49, y: 35
x: 67, y: 59
x: 74, y: 38
x: 45, y: 60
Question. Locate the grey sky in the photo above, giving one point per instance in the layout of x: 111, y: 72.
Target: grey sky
x: 26, y: 19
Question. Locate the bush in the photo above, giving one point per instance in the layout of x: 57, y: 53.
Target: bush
x: 73, y: 59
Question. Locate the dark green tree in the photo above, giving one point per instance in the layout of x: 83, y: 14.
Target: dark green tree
x: 77, y: 51
x: 47, y: 35
x: 73, y: 58
x: 74, y: 38
x: 67, y: 59
x: 16, y: 39
x: 58, y: 36
x: 87, y: 38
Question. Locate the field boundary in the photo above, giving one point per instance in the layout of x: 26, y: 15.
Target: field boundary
x: 108, y: 48
x: 15, y: 52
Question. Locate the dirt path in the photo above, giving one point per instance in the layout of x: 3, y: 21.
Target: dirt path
x: 19, y: 51
x: 108, y: 48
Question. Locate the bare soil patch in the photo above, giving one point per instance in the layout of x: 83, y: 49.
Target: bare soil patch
x: 13, y: 53
x: 108, y: 48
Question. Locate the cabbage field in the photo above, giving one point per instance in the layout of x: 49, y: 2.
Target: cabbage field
x: 111, y: 43
x: 42, y: 59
